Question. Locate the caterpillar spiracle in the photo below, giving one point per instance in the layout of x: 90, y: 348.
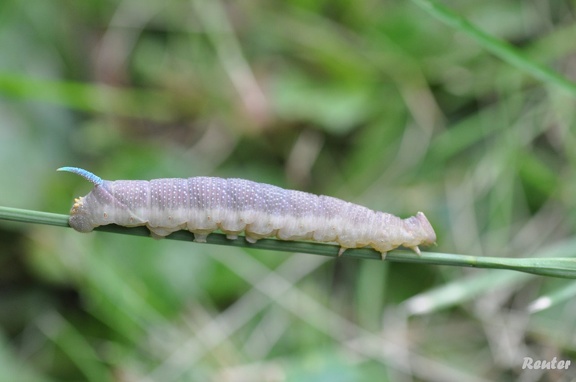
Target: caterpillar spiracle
x: 202, y: 205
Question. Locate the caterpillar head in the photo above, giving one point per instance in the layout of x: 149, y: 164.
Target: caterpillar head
x: 83, y: 212
x: 421, y: 229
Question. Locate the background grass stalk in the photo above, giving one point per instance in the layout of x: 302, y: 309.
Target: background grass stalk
x: 498, y: 47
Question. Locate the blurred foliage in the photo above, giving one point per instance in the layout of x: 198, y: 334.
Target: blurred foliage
x: 377, y: 102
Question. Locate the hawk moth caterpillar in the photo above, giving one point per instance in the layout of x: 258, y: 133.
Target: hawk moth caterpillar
x: 202, y: 205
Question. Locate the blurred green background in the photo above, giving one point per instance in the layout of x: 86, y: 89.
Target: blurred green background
x: 376, y: 102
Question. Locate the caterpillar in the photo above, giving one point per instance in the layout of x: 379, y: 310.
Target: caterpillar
x: 205, y: 204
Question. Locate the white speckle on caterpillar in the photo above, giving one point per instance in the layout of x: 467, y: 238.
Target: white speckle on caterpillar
x: 202, y: 205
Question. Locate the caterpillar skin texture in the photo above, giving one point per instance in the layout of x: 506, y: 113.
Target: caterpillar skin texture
x: 204, y: 204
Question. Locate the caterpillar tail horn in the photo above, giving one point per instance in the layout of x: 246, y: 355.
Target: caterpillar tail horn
x: 96, y: 180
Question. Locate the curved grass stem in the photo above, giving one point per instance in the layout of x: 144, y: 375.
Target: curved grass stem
x: 498, y: 47
x: 545, y: 266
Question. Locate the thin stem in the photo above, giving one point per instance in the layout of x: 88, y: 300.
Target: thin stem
x: 556, y: 267
x: 500, y: 48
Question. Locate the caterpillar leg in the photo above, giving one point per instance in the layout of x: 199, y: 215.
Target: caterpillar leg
x: 251, y: 239
x: 154, y: 235
x: 231, y: 236
x: 383, y: 255
x: 341, y: 251
x: 200, y: 237
x: 416, y: 249
x: 159, y: 233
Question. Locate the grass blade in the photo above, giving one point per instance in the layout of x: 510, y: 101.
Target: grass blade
x: 564, y: 267
x: 498, y: 47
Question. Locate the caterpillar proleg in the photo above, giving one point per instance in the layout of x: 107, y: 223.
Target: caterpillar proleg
x: 202, y: 205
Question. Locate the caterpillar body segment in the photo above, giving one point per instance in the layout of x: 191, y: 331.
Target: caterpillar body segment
x: 202, y: 205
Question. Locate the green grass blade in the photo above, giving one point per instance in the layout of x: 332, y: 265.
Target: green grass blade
x: 556, y: 297
x: 460, y: 290
x: 76, y: 346
x: 29, y: 216
x: 556, y: 267
x: 95, y: 98
x: 464, y: 289
x: 500, y: 48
